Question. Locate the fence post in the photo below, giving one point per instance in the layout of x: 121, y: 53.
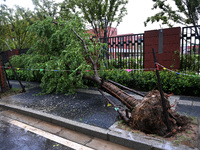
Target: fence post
x: 165, y: 112
x: 23, y: 87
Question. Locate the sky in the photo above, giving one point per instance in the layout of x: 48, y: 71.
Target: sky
x: 133, y: 22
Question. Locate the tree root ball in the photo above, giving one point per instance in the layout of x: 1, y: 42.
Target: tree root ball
x: 148, y: 115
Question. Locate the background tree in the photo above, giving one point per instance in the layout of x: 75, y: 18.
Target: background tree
x: 186, y: 12
x: 3, y: 14
x: 99, y: 13
x: 46, y: 8
x: 14, y: 24
x: 3, y: 81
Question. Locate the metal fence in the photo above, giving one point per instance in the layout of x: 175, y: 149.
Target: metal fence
x: 190, y: 50
x: 125, y: 51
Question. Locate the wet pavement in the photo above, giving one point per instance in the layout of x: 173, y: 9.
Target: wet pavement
x: 83, y: 107
x: 22, y: 132
x: 15, y: 138
x: 189, y: 110
x: 86, y: 107
x: 188, y: 105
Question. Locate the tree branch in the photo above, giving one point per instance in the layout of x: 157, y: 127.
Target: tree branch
x: 85, y: 47
x: 126, y: 119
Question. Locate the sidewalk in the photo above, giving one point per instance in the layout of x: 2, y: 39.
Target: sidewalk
x: 87, y: 112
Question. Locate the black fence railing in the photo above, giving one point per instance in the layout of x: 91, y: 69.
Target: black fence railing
x: 190, y: 49
x: 125, y: 51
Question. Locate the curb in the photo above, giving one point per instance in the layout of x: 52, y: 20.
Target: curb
x: 199, y: 133
x: 113, y: 134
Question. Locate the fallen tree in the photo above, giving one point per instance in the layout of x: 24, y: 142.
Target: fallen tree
x: 63, y: 62
x: 146, y: 115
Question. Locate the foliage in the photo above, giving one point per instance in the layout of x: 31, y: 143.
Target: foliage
x: 14, y: 23
x: 146, y: 81
x: 46, y: 8
x: 95, y: 12
x: 190, y: 62
x: 139, y: 80
x: 19, y: 61
x: 187, y: 12
x: 57, y: 48
x: 3, y: 13
x: 23, y: 75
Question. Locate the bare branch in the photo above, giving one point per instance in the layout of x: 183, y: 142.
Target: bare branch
x: 85, y: 47
x: 126, y: 119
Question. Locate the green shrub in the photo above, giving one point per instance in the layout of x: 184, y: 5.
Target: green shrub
x: 190, y: 62
x: 146, y: 81
x: 23, y: 75
x: 139, y: 80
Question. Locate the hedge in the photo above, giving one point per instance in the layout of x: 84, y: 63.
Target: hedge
x: 139, y: 80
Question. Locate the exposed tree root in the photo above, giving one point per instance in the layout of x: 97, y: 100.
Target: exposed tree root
x: 148, y: 116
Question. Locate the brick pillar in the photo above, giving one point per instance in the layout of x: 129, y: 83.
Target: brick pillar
x: 168, y: 40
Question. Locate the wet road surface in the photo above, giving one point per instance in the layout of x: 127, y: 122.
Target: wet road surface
x: 21, y: 132
x: 13, y: 137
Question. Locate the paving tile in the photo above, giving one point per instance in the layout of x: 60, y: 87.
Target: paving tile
x: 75, y: 136
x: 49, y: 127
x: 20, y: 117
x: 196, y: 103
x: 105, y: 145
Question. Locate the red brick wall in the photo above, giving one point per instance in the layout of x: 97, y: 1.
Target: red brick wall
x: 14, y: 52
x: 171, y: 43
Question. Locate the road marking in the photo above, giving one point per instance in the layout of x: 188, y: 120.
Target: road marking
x: 47, y: 135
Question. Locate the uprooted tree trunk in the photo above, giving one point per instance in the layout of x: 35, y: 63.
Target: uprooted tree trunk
x: 146, y: 115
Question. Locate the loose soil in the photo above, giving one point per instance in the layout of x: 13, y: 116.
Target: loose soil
x: 148, y: 116
x: 11, y: 92
x: 188, y: 137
